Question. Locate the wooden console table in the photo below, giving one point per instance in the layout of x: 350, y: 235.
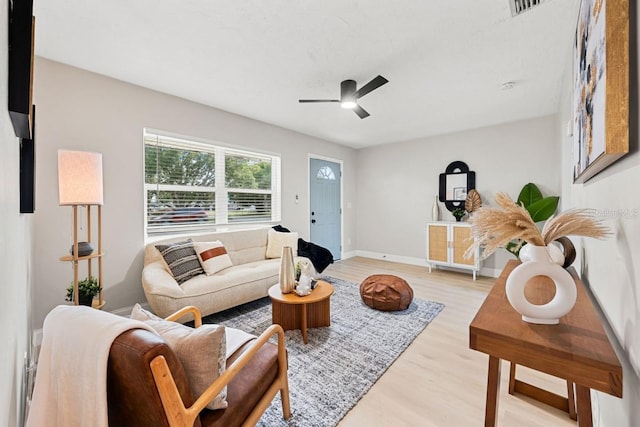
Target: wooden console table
x: 577, y: 349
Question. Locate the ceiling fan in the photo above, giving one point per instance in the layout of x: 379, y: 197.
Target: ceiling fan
x: 349, y: 95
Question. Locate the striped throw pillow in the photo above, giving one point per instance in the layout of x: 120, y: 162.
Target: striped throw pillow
x: 182, y: 260
x: 213, y: 256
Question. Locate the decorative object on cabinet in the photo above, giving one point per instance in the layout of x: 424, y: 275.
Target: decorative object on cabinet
x: 447, y: 243
x: 473, y: 202
x: 435, y: 210
x: 458, y: 214
x: 80, y: 185
x: 601, y: 87
x: 455, y: 184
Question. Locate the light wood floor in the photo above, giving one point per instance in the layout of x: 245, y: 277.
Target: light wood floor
x: 438, y: 380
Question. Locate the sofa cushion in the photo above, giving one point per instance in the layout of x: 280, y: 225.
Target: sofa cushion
x: 213, y: 256
x: 202, y: 351
x: 277, y: 240
x: 182, y: 260
x: 237, y: 275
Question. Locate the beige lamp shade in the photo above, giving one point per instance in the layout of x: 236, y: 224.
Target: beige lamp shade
x: 80, y: 178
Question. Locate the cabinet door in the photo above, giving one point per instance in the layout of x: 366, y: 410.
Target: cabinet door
x: 438, y: 243
x: 462, y: 240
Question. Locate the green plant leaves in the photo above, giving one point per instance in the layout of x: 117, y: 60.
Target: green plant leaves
x: 542, y: 209
x: 529, y: 194
x: 538, y: 207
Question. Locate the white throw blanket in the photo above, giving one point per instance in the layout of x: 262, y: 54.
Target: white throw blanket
x: 236, y: 339
x: 71, y: 381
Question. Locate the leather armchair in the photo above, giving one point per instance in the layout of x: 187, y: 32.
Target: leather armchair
x: 147, y: 385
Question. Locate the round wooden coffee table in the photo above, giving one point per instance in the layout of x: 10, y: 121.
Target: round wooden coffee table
x: 295, y: 312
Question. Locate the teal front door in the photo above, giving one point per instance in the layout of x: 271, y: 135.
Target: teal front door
x: 325, y: 209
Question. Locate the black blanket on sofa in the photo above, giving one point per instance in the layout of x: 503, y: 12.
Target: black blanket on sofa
x: 320, y: 257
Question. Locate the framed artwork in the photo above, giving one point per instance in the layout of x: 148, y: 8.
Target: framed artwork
x: 28, y: 169
x: 601, y: 86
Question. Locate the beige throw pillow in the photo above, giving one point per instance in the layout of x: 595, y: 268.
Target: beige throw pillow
x: 277, y: 240
x: 202, y: 351
x: 212, y: 256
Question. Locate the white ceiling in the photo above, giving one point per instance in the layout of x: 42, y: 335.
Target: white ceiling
x: 445, y: 60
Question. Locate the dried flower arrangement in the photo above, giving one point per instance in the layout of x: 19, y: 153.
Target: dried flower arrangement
x: 495, y: 227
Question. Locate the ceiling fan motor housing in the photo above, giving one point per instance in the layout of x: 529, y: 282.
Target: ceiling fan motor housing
x: 347, y: 90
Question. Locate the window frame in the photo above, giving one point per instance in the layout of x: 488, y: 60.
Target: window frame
x: 220, y: 190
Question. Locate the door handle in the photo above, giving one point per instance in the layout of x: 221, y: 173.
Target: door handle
x: 313, y: 221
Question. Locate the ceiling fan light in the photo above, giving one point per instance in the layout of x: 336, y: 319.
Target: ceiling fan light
x: 348, y: 104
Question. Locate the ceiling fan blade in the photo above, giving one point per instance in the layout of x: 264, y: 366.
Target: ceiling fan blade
x: 361, y: 112
x: 318, y: 100
x: 372, y: 85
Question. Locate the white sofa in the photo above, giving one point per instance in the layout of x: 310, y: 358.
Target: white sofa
x: 249, y: 279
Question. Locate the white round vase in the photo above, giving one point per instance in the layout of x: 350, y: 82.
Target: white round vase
x: 541, y: 263
x: 554, y: 253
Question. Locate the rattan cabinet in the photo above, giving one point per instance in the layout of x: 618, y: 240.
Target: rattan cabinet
x: 446, y: 244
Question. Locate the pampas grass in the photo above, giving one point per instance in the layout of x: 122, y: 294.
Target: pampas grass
x: 574, y: 222
x: 495, y: 227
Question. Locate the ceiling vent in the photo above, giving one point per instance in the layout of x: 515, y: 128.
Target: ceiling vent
x: 518, y: 7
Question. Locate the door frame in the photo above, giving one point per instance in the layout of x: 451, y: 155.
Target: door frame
x: 341, y: 163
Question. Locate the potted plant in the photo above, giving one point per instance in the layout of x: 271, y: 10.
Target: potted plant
x: 458, y: 213
x: 88, y: 288
x: 539, y: 208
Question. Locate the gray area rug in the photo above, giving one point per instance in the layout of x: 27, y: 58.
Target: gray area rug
x: 341, y: 362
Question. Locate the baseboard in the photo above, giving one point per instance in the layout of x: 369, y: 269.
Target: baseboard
x: 350, y: 254
x: 390, y: 257
x: 487, y: 272
x: 124, y: 312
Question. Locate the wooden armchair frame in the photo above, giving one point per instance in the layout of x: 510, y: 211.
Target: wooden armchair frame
x: 180, y: 416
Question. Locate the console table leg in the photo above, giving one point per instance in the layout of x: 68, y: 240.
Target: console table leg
x: 572, y: 401
x: 493, y: 391
x: 512, y: 378
x: 583, y: 401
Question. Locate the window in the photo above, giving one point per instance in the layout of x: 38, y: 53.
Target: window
x: 326, y: 172
x: 192, y: 185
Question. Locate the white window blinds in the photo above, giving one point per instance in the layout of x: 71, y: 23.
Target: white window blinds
x: 191, y: 185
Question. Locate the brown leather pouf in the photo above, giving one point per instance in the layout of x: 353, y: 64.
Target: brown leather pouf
x: 386, y: 292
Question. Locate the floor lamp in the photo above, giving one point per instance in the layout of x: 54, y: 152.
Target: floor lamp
x: 80, y: 184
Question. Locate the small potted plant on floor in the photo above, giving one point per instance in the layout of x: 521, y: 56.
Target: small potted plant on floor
x: 88, y: 288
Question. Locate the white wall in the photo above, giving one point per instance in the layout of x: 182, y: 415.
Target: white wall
x: 612, y: 267
x: 397, y: 182
x: 80, y: 110
x: 15, y: 256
